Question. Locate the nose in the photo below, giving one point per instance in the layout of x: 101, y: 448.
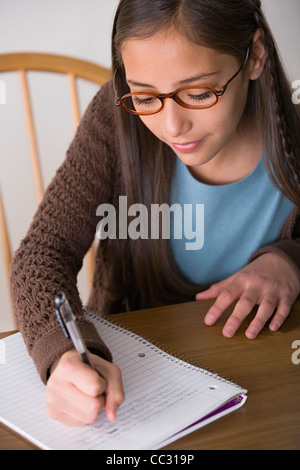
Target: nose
x: 176, y: 119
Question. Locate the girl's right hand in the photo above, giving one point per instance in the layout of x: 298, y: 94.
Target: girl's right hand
x: 76, y: 393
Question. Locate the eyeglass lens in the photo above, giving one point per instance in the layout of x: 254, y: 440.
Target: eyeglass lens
x: 195, y: 98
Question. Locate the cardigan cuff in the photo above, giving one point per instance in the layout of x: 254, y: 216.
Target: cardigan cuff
x: 51, y: 346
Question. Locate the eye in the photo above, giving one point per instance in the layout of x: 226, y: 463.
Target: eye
x: 198, y: 97
x: 143, y: 102
x: 139, y: 101
x: 207, y: 95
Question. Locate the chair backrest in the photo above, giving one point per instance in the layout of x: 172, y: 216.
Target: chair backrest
x: 71, y: 67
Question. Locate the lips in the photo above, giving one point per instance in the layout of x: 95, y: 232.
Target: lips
x: 187, y: 147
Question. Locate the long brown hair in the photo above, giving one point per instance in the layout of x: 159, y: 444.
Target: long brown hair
x: 227, y: 26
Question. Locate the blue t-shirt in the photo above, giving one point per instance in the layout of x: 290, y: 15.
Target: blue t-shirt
x: 222, y: 226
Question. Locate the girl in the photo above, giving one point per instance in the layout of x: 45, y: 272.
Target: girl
x: 199, y: 111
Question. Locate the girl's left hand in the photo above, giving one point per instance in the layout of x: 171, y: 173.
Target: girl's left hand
x: 268, y: 281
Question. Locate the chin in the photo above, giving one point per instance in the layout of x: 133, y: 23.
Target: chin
x: 193, y: 160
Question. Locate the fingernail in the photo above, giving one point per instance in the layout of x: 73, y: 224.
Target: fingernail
x: 112, y: 415
x: 251, y: 332
x: 209, y: 319
x: 228, y: 331
x: 274, y: 326
x: 200, y: 295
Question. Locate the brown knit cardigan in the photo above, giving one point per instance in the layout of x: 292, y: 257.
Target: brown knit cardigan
x: 50, y: 256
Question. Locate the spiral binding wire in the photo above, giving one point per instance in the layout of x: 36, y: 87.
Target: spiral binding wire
x: 159, y: 347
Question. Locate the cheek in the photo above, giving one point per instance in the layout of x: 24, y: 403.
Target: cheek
x: 228, y: 114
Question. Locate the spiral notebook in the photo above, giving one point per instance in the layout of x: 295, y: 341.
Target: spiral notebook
x: 166, y: 397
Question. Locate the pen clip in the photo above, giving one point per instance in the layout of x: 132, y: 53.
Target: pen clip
x: 59, y: 299
x: 67, y: 322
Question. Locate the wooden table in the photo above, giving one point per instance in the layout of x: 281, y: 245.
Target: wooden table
x: 270, y: 419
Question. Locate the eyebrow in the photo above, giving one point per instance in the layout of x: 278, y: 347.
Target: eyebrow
x: 183, y: 82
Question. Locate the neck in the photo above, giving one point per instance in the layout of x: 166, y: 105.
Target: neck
x: 235, y: 161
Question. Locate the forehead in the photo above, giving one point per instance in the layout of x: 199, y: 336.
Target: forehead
x: 168, y: 59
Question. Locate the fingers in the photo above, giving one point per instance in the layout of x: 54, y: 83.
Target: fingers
x: 65, y: 403
x: 76, y: 394
x: 214, y: 290
x: 247, y: 302
x: 281, y: 315
x: 114, y: 389
x: 224, y: 300
x: 265, y: 312
x: 242, y: 309
x: 268, y: 282
x: 85, y: 379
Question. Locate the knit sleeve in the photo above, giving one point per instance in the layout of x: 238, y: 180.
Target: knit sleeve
x: 50, y: 256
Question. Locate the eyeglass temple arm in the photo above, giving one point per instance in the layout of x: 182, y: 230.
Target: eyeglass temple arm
x: 220, y: 93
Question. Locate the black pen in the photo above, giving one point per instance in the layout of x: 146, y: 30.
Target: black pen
x: 68, y: 324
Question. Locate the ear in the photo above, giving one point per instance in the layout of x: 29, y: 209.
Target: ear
x: 258, y: 57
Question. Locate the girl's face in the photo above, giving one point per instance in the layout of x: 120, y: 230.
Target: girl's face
x: 163, y: 63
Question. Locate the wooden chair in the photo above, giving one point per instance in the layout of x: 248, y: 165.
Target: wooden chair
x: 71, y: 67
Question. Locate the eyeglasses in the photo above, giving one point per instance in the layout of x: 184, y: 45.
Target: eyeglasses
x: 145, y: 103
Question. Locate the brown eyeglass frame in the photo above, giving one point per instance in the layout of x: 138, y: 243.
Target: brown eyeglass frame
x: 173, y: 95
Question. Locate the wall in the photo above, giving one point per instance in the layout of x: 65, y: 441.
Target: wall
x: 79, y: 28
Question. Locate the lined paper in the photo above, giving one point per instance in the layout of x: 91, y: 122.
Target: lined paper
x: 165, y: 396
